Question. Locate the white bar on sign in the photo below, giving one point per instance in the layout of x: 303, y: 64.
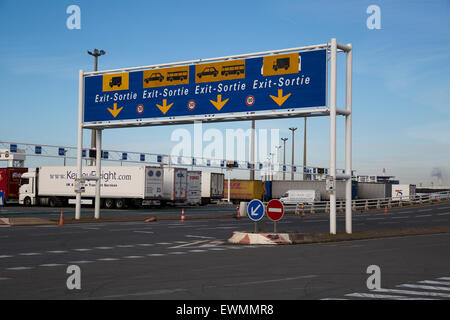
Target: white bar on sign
x: 274, y: 209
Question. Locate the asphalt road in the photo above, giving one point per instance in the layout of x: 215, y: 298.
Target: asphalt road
x: 191, y: 260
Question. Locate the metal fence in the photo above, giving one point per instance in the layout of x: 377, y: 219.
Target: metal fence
x: 362, y: 205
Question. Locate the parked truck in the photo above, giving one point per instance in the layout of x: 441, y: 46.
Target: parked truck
x: 194, y: 188
x: 174, y: 186
x: 120, y: 186
x: 9, y: 184
x: 403, y: 191
x: 300, y: 196
x: 244, y: 190
x: 212, y: 187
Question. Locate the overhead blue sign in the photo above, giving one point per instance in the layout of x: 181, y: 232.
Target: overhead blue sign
x: 279, y: 81
x: 255, y: 210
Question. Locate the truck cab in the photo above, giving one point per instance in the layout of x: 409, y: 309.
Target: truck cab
x: 27, y: 189
x: 300, y: 196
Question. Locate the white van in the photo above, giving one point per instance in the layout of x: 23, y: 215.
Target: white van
x: 300, y: 196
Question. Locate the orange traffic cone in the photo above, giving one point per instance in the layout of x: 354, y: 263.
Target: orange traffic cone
x: 61, y: 219
x: 150, y: 219
x: 182, y: 214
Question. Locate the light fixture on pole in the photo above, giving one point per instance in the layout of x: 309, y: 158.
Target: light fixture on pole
x: 292, y: 163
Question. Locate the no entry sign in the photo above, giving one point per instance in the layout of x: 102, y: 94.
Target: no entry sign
x: 275, y: 210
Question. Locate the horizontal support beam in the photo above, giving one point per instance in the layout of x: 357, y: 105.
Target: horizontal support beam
x: 343, y: 177
x: 188, y: 62
x: 344, y: 112
x: 344, y: 47
x: 212, y: 118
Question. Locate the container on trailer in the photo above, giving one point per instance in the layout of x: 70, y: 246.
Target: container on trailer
x: 245, y: 190
x: 403, y: 191
x: 300, y: 196
x: 10, y: 179
x: 194, y: 187
x: 175, y: 184
x: 212, y: 186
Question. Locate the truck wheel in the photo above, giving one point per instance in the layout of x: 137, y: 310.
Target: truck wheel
x: 109, y: 203
x: 52, y: 202
x: 27, y: 201
x: 120, y: 203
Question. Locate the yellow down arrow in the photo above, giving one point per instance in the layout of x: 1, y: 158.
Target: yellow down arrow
x: 219, y: 103
x: 164, y: 108
x: 280, y: 99
x: 115, y: 111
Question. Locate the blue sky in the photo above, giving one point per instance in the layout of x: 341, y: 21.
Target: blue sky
x: 401, y: 80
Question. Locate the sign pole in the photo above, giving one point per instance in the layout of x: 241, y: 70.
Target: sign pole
x: 348, y: 144
x: 80, y: 140
x: 333, y: 79
x: 98, y: 162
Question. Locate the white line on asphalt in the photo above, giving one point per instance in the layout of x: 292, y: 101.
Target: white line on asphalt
x: 51, y: 265
x: 156, y: 254
x: 154, y: 292
x: 400, y: 217
x: 444, y: 278
x: 177, y: 252
x: 125, y: 246
x: 435, y: 282
x: 30, y: 254
x: 269, y: 281
x: 217, y: 249
x: 422, y: 216
x: 201, y: 237
x: 133, y: 257
x: 144, y: 244
x: 19, y: 268
x: 143, y: 231
x: 443, y: 214
x: 423, y: 210
x: 415, y: 286
x: 80, y: 262
x: 163, y: 243
x: 5, y: 256
x: 417, y: 293
x: 57, y: 251
x: 103, y: 248
x: 197, y: 250
x: 333, y: 299
x: 380, y: 296
x: 82, y: 250
x: 107, y: 259
x: 189, y: 244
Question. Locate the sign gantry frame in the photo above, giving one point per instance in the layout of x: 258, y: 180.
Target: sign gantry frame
x: 332, y: 47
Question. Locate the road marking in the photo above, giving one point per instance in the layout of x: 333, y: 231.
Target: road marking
x: 417, y: 293
x: 425, y: 215
x: 177, y: 252
x: 400, y: 217
x: 415, y: 286
x: 82, y: 250
x: 423, y: 210
x: 163, y: 243
x: 443, y: 214
x: 5, y: 256
x: 80, y: 262
x: 143, y: 231
x: 435, y: 282
x: 444, y: 278
x: 197, y: 250
x: 189, y: 244
x: 217, y: 249
x: 107, y: 259
x: 144, y: 244
x: 381, y: 296
x: 201, y: 237
x: 57, y: 251
x: 154, y: 292
x: 156, y: 254
x: 269, y: 281
x: 375, y: 218
x: 103, y: 248
x: 19, y: 268
x: 30, y: 254
x: 51, y: 265
x: 125, y: 246
x: 133, y: 257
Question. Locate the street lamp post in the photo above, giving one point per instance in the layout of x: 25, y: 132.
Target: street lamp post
x: 284, y: 156
x: 96, y: 53
x: 292, y: 167
x: 304, y: 152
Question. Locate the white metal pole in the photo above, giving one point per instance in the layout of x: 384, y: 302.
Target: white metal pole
x: 333, y: 80
x: 80, y: 139
x: 229, y: 184
x: 348, y: 144
x: 98, y: 162
x: 252, y: 152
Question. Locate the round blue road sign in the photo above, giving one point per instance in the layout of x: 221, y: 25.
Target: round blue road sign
x: 255, y: 210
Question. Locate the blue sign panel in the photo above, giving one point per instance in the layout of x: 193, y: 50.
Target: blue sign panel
x: 260, y: 166
x: 38, y: 150
x: 83, y: 153
x: 13, y: 147
x: 159, y: 158
x: 105, y: 154
x: 2, y: 198
x: 280, y: 81
x: 142, y: 157
x: 255, y: 210
x: 124, y: 156
x: 61, y: 151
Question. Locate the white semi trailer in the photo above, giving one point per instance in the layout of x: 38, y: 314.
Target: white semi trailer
x: 174, y: 186
x: 212, y: 186
x: 120, y: 186
x: 194, y: 188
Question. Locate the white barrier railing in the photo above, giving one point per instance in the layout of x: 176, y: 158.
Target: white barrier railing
x: 361, y: 205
